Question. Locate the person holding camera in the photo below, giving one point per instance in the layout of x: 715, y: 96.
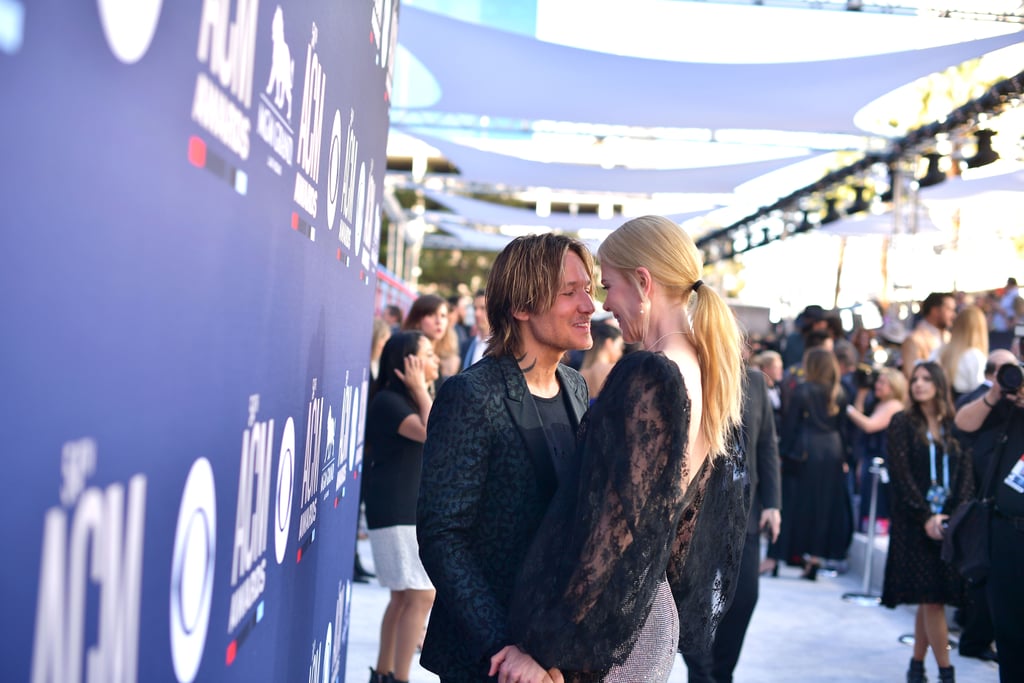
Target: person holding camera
x: 995, y: 421
x: 931, y: 476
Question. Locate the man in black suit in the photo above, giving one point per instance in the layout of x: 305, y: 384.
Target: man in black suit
x: 500, y: 437
x: 761, y: 451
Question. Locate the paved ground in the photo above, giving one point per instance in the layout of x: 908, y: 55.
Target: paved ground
x: 801, y: 631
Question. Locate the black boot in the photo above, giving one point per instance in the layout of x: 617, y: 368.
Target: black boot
x: 946, y: 674
x: 915, y: 674
x: 378, y: 677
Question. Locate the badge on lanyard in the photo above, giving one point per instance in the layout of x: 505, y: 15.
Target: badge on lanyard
x: 1015, y: 479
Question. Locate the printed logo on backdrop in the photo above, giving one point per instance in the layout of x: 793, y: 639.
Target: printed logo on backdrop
x: 129, y: 26
x: 383, y: 21
x: 341, y: 623
x: 285, y: 490
x: 274, y: 110
x: 195, y: 548
x: 320, y: 659
x: 223, y: 92
x: 312, y: 476
x: 92, y: 544
x: 310, y: 137
x: 252, y: 524
x: 350, y: 457
x: 353, y: 189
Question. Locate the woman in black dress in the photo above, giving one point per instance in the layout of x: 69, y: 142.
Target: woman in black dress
x: 930, y: 476
x: 820, y: 519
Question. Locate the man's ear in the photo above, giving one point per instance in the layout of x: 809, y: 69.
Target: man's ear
x: 521, y: 316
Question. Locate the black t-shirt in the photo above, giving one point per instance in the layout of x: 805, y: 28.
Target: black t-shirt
x: 558, y: 430
x: 393, y: 463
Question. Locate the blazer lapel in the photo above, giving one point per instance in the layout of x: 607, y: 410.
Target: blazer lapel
x: 578, y: 395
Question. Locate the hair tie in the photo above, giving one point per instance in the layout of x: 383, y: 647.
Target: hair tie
x: 697, y: 285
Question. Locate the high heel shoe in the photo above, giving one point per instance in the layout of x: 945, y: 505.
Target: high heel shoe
x: 811, y: 571
x: 763, y: 570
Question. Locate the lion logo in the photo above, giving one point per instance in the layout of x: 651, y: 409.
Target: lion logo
x: 282, y: 66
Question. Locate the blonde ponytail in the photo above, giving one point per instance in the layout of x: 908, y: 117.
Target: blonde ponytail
x: 719, y: 341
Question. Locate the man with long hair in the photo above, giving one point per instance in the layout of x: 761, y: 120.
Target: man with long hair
x: 500, y: 438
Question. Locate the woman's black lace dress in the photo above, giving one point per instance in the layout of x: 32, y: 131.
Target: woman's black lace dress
x: 609, y: 543
x: 914, y: 570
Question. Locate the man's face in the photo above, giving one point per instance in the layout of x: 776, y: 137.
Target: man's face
x: 566, y: 325
x: 945, y: 314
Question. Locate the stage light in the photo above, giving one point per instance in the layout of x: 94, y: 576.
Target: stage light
x: 831, y: 215
x: 859, y: 203
x: 888, y: 194
x: 933, y: 176
x: 985, y: 154
x: 805, y: 224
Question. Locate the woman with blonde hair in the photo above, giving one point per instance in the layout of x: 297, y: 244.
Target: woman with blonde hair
x: 964, y: 355
x: 818, y: 524
x: 638, y: 555
x: 889, y: 397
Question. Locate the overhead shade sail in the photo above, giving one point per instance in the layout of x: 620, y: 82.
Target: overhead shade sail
x: 480, y: 212
x: 501, y: 169
x: 461, y: 237
x: 882, y: 224
x: 484, y: 71
x: 980, y: 185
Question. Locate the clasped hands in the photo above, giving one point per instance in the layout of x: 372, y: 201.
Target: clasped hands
x: 512, y: 665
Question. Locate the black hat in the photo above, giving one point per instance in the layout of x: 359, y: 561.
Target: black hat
x: 810, y: 315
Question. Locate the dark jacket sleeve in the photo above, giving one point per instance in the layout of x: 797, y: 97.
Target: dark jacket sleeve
x: 769, y: 485
x: 455, y: 469
x: 791, y: 420
x: 907, y: 493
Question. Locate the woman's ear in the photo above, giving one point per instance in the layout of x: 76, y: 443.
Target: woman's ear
x: 644, y: 280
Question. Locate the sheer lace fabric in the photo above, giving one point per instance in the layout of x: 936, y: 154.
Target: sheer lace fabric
x: 629, y: 522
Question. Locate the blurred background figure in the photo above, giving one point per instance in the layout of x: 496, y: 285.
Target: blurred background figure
x: 879, y: 396
x: 429, y: 315
x: 938, y: 311
x: 818, y: 524
x: 930, y: 477
x: 600, y: 358
x: 392, y: 315
x: 396, y: 427
x: 481, y: 330
x: 963, y: 357
x: 460, y: 319
x: 770, y: 364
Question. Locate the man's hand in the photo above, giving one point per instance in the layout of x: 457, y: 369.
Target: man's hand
x: 512, y: 665
x: 771, y: 520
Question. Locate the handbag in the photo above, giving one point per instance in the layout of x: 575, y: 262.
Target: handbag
x: 965, y: 541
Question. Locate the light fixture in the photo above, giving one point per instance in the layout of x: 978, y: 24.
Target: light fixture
x: 831, y: 215
x: 933, y: 176
x: 859, y: 203
x: 985, y: 154
x: 888, y: 195
x: 805, y: 224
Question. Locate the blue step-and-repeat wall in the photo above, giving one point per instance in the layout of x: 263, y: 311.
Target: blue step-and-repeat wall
x: 190, y: 220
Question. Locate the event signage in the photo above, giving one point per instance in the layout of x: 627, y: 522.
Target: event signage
x: 191, y: 215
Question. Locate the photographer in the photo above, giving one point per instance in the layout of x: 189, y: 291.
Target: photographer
x: 996, y: 422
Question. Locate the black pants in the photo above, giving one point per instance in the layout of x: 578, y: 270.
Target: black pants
x: 1006, y: 598
x: 976, y: 632
x: 717, y: 666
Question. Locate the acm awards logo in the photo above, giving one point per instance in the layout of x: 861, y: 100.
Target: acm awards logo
x: 92, y: 544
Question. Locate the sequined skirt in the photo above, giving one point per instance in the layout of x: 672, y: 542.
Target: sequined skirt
x: 654, y: 653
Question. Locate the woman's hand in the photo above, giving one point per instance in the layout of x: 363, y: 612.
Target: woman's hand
x: 414, y: 376
x: 933, y: 527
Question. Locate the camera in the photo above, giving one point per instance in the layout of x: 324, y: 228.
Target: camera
x: 1010, y: 377
x: 865, y: 376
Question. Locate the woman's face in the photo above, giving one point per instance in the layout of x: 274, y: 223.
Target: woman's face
x: 431, y: 363
x: 623, y: 301
x: 922, y: 388
x: 435, y: 324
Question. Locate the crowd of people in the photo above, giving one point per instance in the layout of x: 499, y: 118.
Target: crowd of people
x: 586, y: 491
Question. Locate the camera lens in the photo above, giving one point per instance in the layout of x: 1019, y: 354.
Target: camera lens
x: 1010, y: 377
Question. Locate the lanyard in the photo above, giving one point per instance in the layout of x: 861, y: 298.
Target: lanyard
x: 945, y: 463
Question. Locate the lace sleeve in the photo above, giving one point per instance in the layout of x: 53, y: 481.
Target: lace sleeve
x: 592, y: 571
